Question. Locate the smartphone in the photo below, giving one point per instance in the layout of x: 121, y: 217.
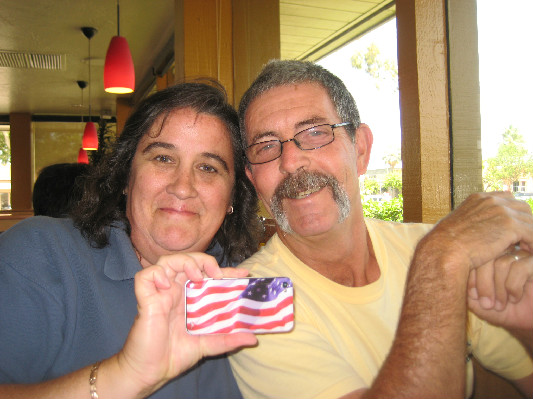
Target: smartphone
x: 229, y: 305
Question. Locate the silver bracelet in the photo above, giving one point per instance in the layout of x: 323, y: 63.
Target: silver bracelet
x: 92, y: 380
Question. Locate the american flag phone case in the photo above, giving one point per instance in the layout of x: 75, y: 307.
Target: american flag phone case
x: 222, y: 306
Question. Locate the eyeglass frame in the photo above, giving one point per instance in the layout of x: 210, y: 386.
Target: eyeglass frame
x: 281, y: 142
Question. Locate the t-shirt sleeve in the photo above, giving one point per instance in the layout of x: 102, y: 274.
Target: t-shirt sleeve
x: 28, y: 344
x: 281, y: 366
x: 499, y: 351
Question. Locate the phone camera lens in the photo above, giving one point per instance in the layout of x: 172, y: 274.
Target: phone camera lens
x: 285, y: 284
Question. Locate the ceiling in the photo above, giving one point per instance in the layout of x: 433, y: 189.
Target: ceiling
x: 51, y: 31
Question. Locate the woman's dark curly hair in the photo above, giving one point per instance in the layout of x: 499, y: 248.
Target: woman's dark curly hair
x: 103, y: 203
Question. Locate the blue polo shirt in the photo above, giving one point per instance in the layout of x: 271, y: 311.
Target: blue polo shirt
x: 65, y: 305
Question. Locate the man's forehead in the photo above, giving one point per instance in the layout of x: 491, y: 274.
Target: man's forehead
x: 290, y: 89
x: 305, y: 103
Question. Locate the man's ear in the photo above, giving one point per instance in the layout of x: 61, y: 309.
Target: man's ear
x: 250, y: 176
x: 363, y: 146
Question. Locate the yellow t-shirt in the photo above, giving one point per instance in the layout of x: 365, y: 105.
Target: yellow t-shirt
x: 342, y: 334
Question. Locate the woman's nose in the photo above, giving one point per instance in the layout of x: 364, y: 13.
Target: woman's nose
x: 182, y: 184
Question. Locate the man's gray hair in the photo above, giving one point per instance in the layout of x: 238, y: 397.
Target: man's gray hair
x: 287, y: 72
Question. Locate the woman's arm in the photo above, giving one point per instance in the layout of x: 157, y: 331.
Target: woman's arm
x: 158, y: 348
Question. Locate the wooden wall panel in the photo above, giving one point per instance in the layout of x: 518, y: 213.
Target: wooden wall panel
x: 203, y: 41
x: 464, y: 99
x: 21, y: 161
x: 423, y: 77
x: 256, y: 39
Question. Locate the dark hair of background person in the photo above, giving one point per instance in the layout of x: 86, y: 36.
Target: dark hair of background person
x: 282, y: 73
x: 104, y: 202
x: 57, y: 189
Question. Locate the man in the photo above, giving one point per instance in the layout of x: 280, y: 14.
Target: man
x: 353, y: 337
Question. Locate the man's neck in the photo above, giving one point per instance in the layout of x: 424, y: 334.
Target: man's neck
x: 345, y: 256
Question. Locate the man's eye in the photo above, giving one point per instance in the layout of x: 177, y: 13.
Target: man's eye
x: 316, y: 132
x: 266, y: 146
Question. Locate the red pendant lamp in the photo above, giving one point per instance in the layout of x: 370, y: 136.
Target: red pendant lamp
x: 83, y: 157
x: 90, y: 135
x: 119, y: 72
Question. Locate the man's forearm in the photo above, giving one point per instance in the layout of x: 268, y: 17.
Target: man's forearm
x: 427, y: 358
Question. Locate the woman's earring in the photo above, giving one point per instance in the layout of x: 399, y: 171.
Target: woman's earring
x: 230, y: 210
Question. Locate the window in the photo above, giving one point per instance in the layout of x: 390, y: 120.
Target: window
x: 5, y: 168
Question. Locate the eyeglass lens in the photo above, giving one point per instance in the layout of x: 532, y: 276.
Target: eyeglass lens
x: 308, y: 139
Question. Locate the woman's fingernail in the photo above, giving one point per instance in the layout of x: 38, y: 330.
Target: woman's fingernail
x: 485, y: 302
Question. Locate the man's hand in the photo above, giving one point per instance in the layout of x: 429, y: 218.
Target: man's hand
x: 482, y: 228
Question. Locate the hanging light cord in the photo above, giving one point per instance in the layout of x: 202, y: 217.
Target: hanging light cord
x: 89, y: 79
x: 118, y: 19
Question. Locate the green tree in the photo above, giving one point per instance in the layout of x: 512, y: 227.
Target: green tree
x: 371, y: 186
x: 387, y: 210
x: 392, y: 159
x: 393, y: 183
x: 511, y: 163
x: 375, y: 66
x: 5, y: 151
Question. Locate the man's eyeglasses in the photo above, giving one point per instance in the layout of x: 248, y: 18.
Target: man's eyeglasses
x: 308, y: 139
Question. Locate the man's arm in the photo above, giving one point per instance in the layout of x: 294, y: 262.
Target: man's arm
x: 427, y: 358
x: 428, y: 352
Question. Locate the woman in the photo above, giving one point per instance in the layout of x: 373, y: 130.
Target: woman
x: 173, y: 184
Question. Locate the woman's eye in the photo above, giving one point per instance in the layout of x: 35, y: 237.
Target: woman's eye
x: 208, y: 168
x: 163, y: 158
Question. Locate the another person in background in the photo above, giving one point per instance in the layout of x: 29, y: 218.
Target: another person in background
x: 173, y: 187
x: 57, y: 189
x: 306, y: 149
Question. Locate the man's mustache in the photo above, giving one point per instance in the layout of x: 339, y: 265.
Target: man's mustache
x: 293, y: 185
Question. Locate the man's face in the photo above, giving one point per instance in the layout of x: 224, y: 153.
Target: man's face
x: 307, y: 192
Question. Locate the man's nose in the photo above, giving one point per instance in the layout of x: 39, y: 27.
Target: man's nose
x: 292, y: 157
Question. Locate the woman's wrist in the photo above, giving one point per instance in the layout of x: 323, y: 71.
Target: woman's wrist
x: 115, y: 379
x: 525, y: 337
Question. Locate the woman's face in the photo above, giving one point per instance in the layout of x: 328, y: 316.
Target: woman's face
x: 180, y: 185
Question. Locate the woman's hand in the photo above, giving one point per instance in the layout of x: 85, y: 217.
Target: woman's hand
x: 501, y: 292
x: 158, y: 347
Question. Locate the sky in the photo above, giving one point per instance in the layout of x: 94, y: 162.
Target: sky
x: 506, y: 79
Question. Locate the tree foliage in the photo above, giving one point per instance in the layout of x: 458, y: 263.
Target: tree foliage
x: 371, y: 186
x: 5, y: 151
x: 371, y: 62
x: 392, y: 159
x: 511, y: 163
x: 393, y: 182
x: 387, y: 210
